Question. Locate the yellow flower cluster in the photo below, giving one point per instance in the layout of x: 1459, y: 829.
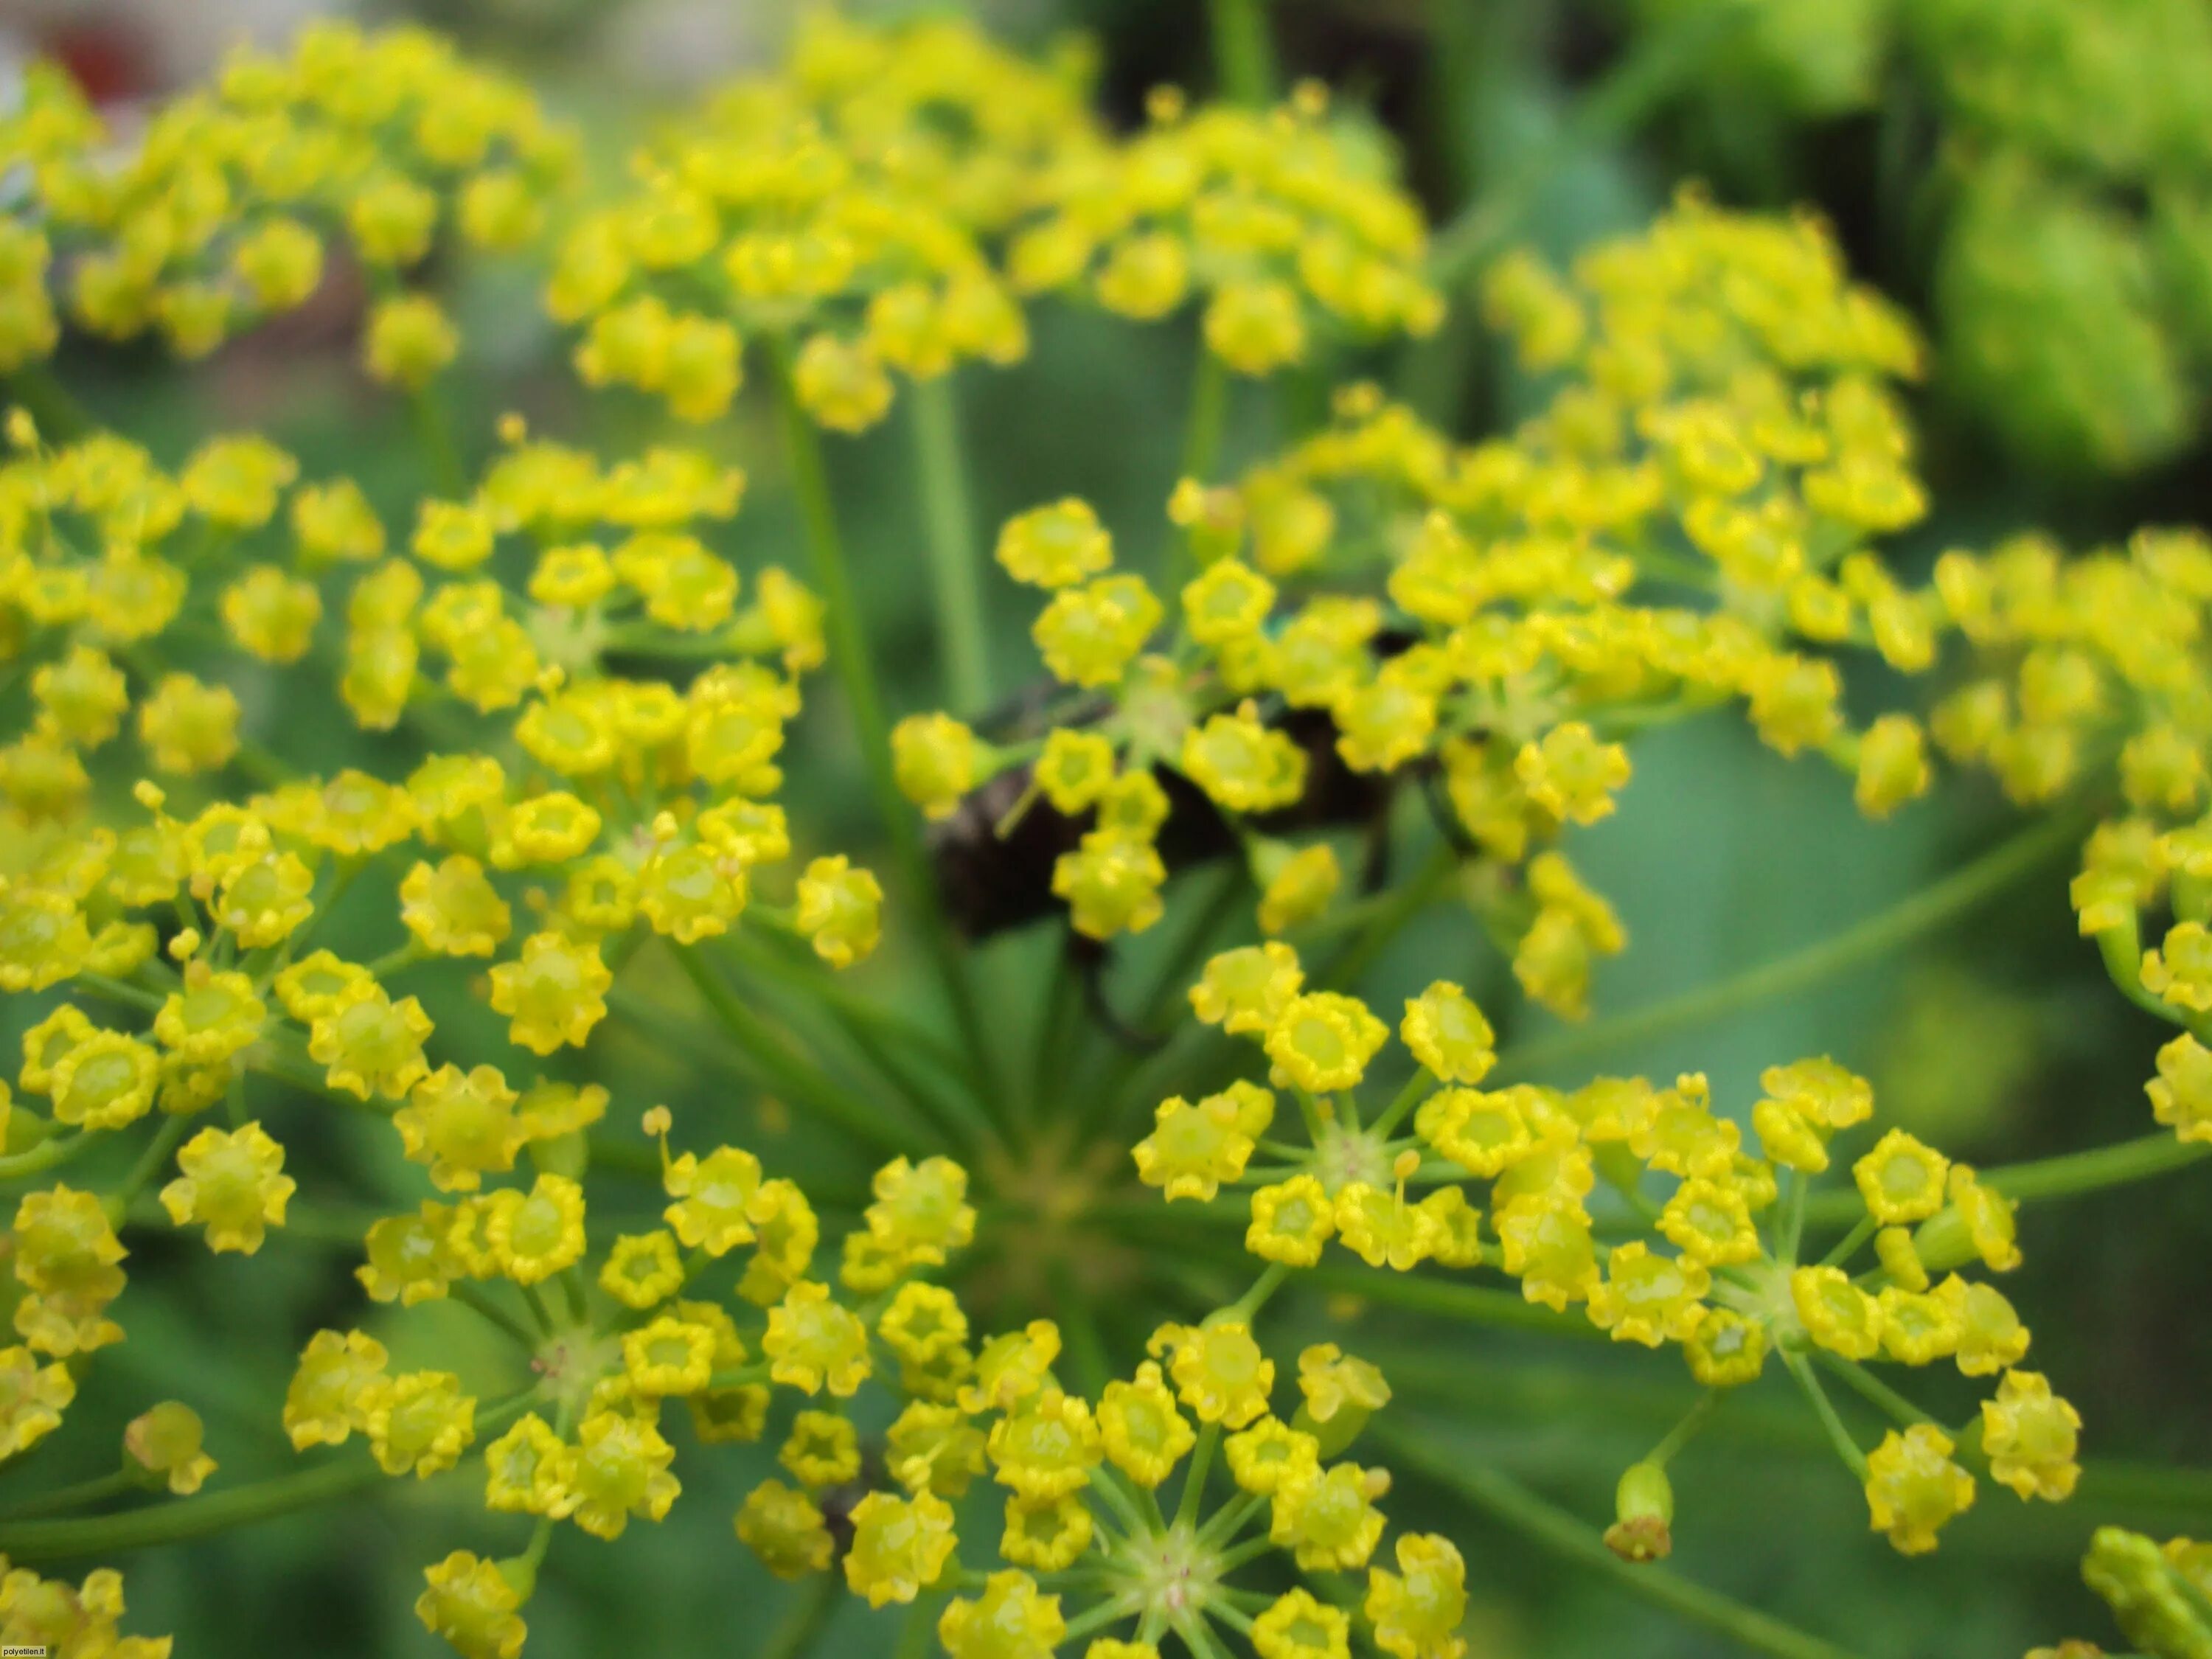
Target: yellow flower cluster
x: 1695, y: 1241
x: 223, y: 210
x: 840, y: 207
x: 1285, y: 224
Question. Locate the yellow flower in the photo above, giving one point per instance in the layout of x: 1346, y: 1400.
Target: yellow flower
x: 1449, y: 1035
x: 1143, y: 1434
x: 473, y: 1605
x: 1913, y: 1487
x: 1010, y: 1620
x: 462, y: 1124
x: 1298, y: 1627
x: 1055, y: 546
x: 555, y: 993
x: 1220, y: 1371
x: 899, y: 1546
x: 1322, y: 1040
x: 1570, y: 775
x: 1417, y: 1611
x: 1901, y: 1179
x: 420, y: 1421
x: 620, y: 1469
x: 840, y: 910
x: 166, y: 1442
x: 233, y: 1183
x: 2032, y: 1437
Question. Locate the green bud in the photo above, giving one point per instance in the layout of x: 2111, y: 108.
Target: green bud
x: 1644, y: 1509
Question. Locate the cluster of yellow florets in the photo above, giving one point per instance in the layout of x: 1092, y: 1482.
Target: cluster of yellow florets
x: 1695, y: 1241
x: 579, y: 706
x: 223, y: 211
x: 1282, y: 222
x: 842, y: 208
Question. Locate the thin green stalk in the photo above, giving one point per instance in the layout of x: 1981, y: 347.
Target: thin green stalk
x: 473, y: 1298
x: 2069, y: 1174
x: 955, y: 560
x: 435, y: 433
x: 1920, y: 914
x: 53, y: 407
x: 1209, y: 416
x: 156, y: 1153
x: 1679, y: 1437
x: 849, y: 652
x: 1871, y: 1388
x: 811, y: 1609
x: 1243, y: 52
x: 49, y: 1154
x: 77, y: 1495
x: 804, y: 1083
x: 883, y: 1039
x: 1838, y: 1435
x: 183, y: 1518
x: 1848, y: 1246
x: 1508, y: 1502
x: 1406, y: 902
x: 1193, y: 1480
x: 1643, y: 80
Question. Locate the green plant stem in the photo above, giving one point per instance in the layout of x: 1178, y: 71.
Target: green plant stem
x: 1387, y: 923
x: 2069, y: 1174
x: 848, y: 651
x: 156, y: 1153
x: 435, y: 433
x: 1838, y: 1435
x: 884, y: 1040
x: 183, y: 1518
x: 1870, y: 1388
x: 1193, y: 1480
x: 1209, y: 416
x: 60, y: 418
x: 803, y: 1083
x: 1508, y: 1502
x: 955, y: 560
x: 812, y: 1608
x: 1690, y: 1421
x: 77, y: 1495
x: 1877, y: 936
x: 1625, y: 96
x: 473, y: 1298
x: 49, y: 1154
x: 1243, y: 52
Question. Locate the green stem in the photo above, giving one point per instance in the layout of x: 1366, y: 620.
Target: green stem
x: 1871, y: 1388
x: 1193, y: 1480
x: 954, y: 558
x: 474, y: 1298
x: 812, y: 1608
x: 1626, y: 95
x: 48, y: 1154
x: 1507, y: 1501
x: 1405, y: 904
x: 435, y: 434
x: 1243, y: 53
x: 78, y: 1495
x: 1838, y: 1435
x: 1208, y: 419
x: 183, y: 1518
x: 2070, y: 1175
x: 848, y: 650
x: 805, y: 1084
x: 1679, y: 1437
x: 1877, y: 936
x: 157, y: 1154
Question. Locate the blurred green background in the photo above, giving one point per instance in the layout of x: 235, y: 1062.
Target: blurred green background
x: 2067, y: 386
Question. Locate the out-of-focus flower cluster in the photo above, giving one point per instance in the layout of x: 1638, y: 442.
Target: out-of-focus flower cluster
x: 224, y: 209
x: 2069, y: 167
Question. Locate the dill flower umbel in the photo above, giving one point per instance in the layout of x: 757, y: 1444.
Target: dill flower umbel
x: 1085, y: 1154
